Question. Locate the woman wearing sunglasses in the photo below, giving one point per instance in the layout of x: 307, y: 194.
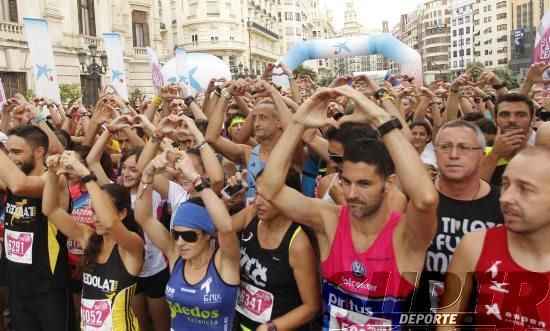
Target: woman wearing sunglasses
x: 202, y: 289
x: 113, y: 251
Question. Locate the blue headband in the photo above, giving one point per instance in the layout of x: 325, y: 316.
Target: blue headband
x: 193, y: 216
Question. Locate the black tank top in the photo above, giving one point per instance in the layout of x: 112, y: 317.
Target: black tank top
x: 35, y: 251
x: 107, y: 293
x: 268, y: 288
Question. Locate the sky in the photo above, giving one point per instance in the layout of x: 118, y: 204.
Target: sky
x: 371, y: 13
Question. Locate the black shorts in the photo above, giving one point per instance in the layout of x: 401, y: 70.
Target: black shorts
x: 154, y: 285
x: 52, y: 310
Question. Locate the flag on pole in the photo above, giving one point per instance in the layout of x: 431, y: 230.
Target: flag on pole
x: 40, y: 48
x: 158, y: 80
x: 182, y: 71
x: 541, y: 53
x: 113, y: 47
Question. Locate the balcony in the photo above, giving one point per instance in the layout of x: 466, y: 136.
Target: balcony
x: 140, y: 51
x: 264, y: 30
x: 215, y: 45
x: 11, y: 31
x: 87, y: 40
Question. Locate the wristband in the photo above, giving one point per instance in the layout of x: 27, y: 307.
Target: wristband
x: 499, y: 86
x: 487, y: 98
x: 218, y: 89
x: 39, y: 118
x: 199, y: 146
x: 225, y: 93
x: 433, y: 103
x: 157, y: 100
x: 88, y: 178
x: 291, y: 77
x: 217, y: 93
x: 157, y: 137
x: 271, y: 326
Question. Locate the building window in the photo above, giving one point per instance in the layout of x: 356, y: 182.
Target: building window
x: 467, y: 29
x: 212, y: 8
x: 461, y: 20
x: 468, y: 51
x: 467, y: 19
x: 140, y: 28
x: 454, y: 43
x: 289, y: 31
x: 501, y: 16
x: 297, y: 16
x: 9, y: 10
x: 289, y: 16
x: 192, y: 10
x: 14, y: 82
x: 501, y: 4
x: 86, y: 17
x: 232, y: 60
x: 195, y: 39
x: 214, y: 39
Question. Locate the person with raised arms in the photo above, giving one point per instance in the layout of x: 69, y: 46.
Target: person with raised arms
x: 370, y: 255
x: 203, y: 284
x: 113, y: 251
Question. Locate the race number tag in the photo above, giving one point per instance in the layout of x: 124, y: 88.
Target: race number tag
x: 342, y: 319
x: 19, y: 246
x: 74, y: 247
x: 96, y: 315
x: 254, y: 303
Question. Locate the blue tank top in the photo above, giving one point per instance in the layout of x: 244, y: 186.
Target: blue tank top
x: 254, y: 166
x: 309, y: 177
x: 207, y: 305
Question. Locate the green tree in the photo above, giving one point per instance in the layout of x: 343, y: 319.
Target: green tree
x: 135, y: 98
x: 507, y: 77
x: 306, y: 71
x: 29, y: 95
x: 325, y: 81
x: 475, y: 75
x: 70, y: 93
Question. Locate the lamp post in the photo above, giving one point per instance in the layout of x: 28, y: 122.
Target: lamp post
x: 93, y: 70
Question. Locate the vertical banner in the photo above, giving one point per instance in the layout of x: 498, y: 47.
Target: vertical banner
x: 541, y: 53
x: 2, y: 94
x: 113, y: 47
x: 156, y: 75
x: 182, y: 71
x: 40, y: 48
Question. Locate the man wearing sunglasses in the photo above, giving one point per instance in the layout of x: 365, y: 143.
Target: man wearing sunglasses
x: 466, y: 203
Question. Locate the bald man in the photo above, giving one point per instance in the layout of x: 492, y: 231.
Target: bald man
x: 543, y: 135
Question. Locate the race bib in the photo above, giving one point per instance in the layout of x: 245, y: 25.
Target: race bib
x: 342, y: 319
x: 255, y: 303
x: 19, y: 246
x: 96, y: 315
x: 74, y: 247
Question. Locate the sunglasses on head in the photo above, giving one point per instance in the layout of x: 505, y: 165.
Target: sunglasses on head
x: 189, y: 236
x: 336, y: 157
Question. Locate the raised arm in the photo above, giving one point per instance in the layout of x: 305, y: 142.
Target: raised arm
x: 534, y: 76
x: 415, y: 181
x: 227, y: 238
x: 51, y: 206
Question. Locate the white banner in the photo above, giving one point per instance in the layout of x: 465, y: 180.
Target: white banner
x: 158, y: 80
x: 2, y: 94
x: 40, y: 48
x: 182, y: 71
x: 113, y: 47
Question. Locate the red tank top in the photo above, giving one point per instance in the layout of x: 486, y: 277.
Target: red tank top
x: 367, y: 283
x: 509, y: 296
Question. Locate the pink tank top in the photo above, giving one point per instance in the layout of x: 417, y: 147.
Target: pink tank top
x: 368, y: 283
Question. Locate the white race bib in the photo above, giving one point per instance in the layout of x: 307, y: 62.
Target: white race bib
x: 96, y: 315
x: 254, y: 303
x: 342, y: 319
x: 19, y: 246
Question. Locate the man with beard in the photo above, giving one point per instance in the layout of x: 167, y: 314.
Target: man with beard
x: 370, y: 254
x: 35, y: 252
x: 514, y: 114
x: 506, y: 269
x: 466, y: 203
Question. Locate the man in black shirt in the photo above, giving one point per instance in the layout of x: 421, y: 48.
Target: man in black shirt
x: 466, y: 203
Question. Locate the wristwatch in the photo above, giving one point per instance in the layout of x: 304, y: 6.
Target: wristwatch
x: 188, y: 100
x: 201, y: 183
x: 394, y: 123
x: 499, y: 86
x: 88, y: 178
x: 271, y: 326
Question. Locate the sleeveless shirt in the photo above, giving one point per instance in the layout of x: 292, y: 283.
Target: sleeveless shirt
x: 509, y: 296
x: 366, y: 289
x: 81, y: 213
x: 254, y: 166
x: 207, y: 305
x: 35, y: 251
x: 107, y: 294
x: 268, y: 289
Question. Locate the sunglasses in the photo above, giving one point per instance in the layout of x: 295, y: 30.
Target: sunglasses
x: 336, y: 157
x: 189, y: 236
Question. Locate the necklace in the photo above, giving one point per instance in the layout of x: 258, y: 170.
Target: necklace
x: 200, y: 266
x: 475, y: 195
x: 266, y: 233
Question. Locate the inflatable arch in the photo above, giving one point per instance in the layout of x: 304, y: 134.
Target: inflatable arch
x: 385, y: 44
